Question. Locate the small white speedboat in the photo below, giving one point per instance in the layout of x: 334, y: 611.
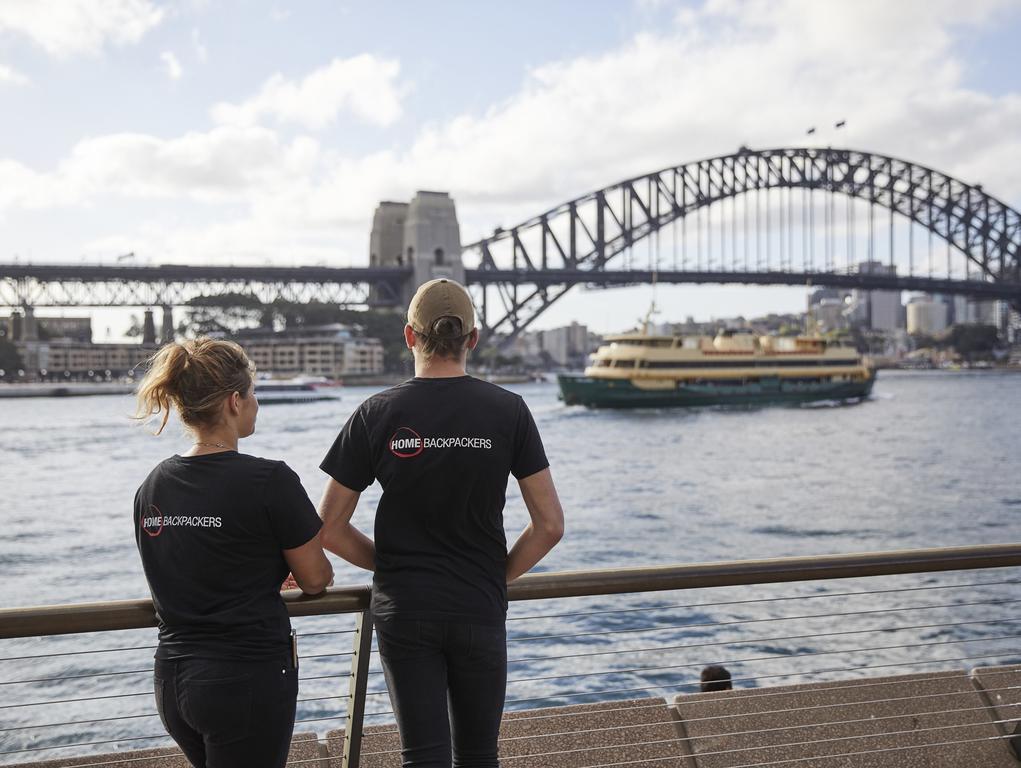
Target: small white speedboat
x: 296, y: 390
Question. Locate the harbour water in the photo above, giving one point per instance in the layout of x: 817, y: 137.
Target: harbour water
x: 931, y: 459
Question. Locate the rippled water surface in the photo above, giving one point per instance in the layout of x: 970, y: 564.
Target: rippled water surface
x: 932, y: 459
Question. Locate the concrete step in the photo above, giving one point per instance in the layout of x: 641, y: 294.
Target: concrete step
x: 824, y: 725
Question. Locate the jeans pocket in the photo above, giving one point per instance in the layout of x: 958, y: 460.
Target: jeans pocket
x: 220, y: 709
x: 487, y: 642
x: 399, y: 638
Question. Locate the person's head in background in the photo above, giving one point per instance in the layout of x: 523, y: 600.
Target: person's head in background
x: 441, y: 327
x: 209, y: 382
x: 715, y: 678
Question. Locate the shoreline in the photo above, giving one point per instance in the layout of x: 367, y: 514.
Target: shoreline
x: 85, y: 389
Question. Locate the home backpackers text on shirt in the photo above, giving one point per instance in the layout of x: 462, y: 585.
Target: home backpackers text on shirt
x: 442, y: 450
x: 211, y: 530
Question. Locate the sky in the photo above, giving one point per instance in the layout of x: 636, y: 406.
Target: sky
x: 262, y: 132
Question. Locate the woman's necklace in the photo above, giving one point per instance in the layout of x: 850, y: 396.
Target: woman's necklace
x: 214, y: 445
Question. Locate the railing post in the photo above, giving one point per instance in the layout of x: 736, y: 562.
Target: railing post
x: 358, y: 683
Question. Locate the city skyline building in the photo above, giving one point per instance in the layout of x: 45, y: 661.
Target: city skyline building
x: 926, y: 315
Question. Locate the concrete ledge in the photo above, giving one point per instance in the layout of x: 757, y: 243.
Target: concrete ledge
x: 591, y: 734
x: 304, y: 747
x: 556, y: 737
x: 741, y: 727
x: 1001, y: 688
x: 820, y: 725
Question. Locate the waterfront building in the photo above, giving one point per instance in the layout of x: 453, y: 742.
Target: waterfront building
x: 331, y: 350
x: 567, y: 346
x: 25, y: 325
x: 57, y: 358
x: 926, y: 315
x: 829, y: 315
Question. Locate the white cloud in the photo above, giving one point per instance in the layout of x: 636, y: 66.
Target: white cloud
x: 171, y: 65
x: 222, y: 165
x: 365, y: 85
x: 70, y: 27
x: 10, y: 76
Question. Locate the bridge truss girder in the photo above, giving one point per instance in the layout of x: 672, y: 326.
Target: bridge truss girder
x: 179, y: 285
x: 588, y: 232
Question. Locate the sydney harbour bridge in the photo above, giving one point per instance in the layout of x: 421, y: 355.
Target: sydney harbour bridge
x: 792, y: 216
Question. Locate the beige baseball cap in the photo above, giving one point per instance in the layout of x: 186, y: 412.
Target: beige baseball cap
x: 440, y: 298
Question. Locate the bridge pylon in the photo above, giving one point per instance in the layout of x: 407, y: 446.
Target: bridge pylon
x: 422, y: 235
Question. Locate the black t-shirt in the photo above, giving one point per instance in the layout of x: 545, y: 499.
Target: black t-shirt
x: 210, y: 530
x: 442, y: 450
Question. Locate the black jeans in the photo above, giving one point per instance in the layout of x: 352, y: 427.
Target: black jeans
x: 447, y: 683
x: 228, y: 714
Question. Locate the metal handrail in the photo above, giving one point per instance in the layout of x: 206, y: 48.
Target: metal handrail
x: 36, y: 621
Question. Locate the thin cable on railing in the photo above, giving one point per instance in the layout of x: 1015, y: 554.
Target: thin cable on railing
x: 750, y: 678
x: 330, y: 632
x: 795, y: 759
x: 133, y: 717
x: 758, y: 731
x: 323, y: 698
x: 760, y: 658
x: 866, y: 752
x: 137, y: 672
x: 679, y: 740
x: 738, y: 622
x: 85, y: 744
x: 756, y: 640
x: 80, y: 653
x: 659, y: 687
x: 756, y: 713
x: 78, y: 722
x: 325, y: 655
x: 148, y: 670
x: 1010, y: 582
x: 118, y: 740
x: 73, y: 701
x: 748, y: 693
x: 149, y: 758
x: 340, y: 676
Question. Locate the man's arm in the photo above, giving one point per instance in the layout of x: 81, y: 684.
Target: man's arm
x: 309, y: 567
x: 545, y: 529
x: 338, y: 535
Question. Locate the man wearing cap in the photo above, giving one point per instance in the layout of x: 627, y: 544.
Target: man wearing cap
x: 442, y: 446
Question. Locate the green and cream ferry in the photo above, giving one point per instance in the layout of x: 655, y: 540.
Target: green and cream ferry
x: 637, y: 370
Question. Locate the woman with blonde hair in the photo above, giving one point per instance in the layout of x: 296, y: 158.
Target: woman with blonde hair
x: 218, y: 531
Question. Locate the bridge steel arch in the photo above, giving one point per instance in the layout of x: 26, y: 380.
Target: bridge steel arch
x: 580, y: 237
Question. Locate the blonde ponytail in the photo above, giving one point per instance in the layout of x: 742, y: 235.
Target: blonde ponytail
x: 194, y: 377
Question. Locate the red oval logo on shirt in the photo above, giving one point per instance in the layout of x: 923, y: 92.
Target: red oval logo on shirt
x: 406, y: 443
x: 152, y: 521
